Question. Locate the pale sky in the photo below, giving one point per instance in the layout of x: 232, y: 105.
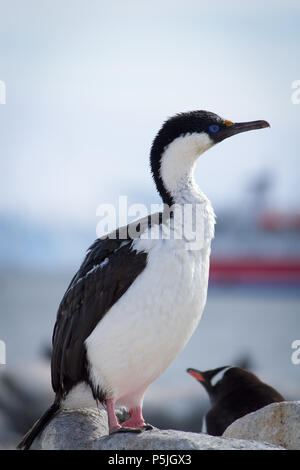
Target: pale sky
x: 89, y: 84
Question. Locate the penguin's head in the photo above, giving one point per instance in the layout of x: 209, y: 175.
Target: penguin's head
x: 211, y: 379
x: 220, y: 383
x: 181, y: 140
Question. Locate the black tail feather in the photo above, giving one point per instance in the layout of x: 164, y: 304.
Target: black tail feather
x: 38, y: 427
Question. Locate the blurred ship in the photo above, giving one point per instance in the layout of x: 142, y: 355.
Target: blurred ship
x: 256, y: 243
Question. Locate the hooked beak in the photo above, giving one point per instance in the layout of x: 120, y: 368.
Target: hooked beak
x: 238, y: 127
x: 196, y: 374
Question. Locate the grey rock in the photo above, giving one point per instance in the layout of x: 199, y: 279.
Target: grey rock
x: 86, y: 428
x: 73, y: 429
x: 278, y: 424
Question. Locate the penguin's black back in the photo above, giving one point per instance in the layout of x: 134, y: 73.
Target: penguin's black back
x: 239, y: 392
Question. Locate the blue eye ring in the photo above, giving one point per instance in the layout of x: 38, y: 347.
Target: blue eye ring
x: 214, y: 128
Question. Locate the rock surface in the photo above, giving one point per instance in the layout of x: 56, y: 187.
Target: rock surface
x: 86, y: 429
x: 278, y: 424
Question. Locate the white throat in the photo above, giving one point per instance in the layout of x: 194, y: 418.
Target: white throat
x: 178, y: 162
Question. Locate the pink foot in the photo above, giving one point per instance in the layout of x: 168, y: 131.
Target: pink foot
x: 113, y: 424
x: 136, y: 420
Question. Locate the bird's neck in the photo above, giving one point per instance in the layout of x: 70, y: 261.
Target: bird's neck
x: 174, y: 177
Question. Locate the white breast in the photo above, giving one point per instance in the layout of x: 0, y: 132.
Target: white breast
x: 151, y: 323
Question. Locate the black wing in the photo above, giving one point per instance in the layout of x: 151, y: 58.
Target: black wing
x: 108, y: 270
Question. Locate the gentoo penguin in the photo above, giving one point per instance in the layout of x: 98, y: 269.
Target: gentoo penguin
x: 140, y: 291
x: 233, y: 393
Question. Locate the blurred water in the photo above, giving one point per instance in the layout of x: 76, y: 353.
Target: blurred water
x: 258, y: 323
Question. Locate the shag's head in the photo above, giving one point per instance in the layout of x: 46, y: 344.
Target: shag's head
x: 182, y: 139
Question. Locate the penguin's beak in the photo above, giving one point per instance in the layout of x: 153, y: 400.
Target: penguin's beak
x: 196, y: 374
x: 231, y: 128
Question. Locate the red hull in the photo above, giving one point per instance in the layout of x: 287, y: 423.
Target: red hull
x: 255, y: 270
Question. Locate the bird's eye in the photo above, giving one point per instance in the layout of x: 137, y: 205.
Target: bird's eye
x: 213, y: 128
